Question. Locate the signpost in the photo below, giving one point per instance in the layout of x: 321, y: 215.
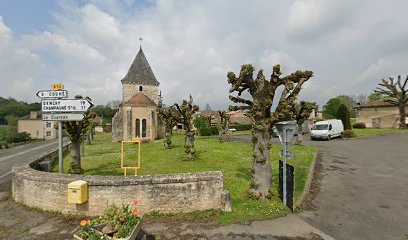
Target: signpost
x: 55, y: 107
x: 65, y: 105
x: 286, y: 131
x: 57, y: 86
x: 63, y: 116
x: 52, y: 94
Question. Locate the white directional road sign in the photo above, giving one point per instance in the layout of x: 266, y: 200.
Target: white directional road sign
x: 52, y: 94
x: 65, y: 105
x: 63, y: 116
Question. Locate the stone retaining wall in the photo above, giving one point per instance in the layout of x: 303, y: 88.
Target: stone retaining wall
x: 163, y: 193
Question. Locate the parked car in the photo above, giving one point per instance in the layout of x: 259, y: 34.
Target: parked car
x: 232, y: 130
x: 327, y: 129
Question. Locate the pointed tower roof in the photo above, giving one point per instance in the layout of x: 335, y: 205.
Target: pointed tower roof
x: 140, y: 71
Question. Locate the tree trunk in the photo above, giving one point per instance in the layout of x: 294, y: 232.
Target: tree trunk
x: 221, y: 135
x: 88, y: 138
x: 167, y: 140
x: 299, y: 138
x: 75, y: 166
x: 402, y: 124
x: 189, y: 144
x: 262, y: 169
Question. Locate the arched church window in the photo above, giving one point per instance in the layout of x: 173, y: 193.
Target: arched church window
x: 140, y: 88
x: 144, y: 128
x: 137, y: 128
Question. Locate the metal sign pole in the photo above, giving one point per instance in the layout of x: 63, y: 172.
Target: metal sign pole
x: 60, y: 169
x: 284, y: 166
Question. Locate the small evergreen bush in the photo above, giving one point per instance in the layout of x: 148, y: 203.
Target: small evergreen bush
x: 214, y: 130
x: 205, y: 131
x: 359, y: 125
x: 349, y: 134
x: 243, y: 127
x: 344, y: 115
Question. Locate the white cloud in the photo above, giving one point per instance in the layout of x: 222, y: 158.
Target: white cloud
x: 310, y: 20
x: 271, y: 57
x: 191, y: 45
x: 18, y: 66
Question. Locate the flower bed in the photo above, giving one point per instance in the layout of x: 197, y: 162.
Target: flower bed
x: 116, y: 223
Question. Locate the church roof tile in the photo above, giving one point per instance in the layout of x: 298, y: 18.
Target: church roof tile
x: 140, y: 100
x: 140, y: 71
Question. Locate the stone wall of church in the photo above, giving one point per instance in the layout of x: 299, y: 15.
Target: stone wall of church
x: 117, y: 126
x: 126, y: 123
x: 131, y: 89
x: 150, y: 115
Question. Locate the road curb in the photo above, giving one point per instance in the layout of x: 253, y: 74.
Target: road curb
x: 309, y: 180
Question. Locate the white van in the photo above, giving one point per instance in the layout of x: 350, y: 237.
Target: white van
x: 327, y: 129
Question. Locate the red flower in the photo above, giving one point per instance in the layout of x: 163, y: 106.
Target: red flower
x: 135, y: 202
x: 121, y: 219
x: 135, y: 212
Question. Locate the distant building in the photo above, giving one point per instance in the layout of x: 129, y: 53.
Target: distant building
x: 239, y: 117
x: 36, y: 127
x: 137, y: 114
x: 215, y: 116
x: 379, y: 114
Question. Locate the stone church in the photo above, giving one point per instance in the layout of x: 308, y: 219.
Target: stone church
x: 137, y: 114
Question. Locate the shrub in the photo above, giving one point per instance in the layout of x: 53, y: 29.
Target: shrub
x: 15, y: 137
x: 205, y: 131
x: 243, y: 127
x: 344, y: 115
x: 349, y: 134
x: 214, y: 130
x: 359, y: 125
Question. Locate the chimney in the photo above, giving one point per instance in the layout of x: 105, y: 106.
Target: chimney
x: 33, y: 115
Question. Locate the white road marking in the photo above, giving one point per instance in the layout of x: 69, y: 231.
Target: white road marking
x: 31, y: 149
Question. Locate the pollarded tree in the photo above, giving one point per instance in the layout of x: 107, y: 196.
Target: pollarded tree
x: 344, y: 115
x: 263, y: 93
x: 224, y: 126
x: 301, y: 112
x: 169, y: 116
x: 397, y: 93
x: 76, y: 130
x: 187, y: 110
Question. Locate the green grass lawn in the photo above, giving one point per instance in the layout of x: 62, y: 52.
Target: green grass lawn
x: 233, y: 159
x: 365, y: 132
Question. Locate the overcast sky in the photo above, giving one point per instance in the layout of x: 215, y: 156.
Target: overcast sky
x: 350, y: 45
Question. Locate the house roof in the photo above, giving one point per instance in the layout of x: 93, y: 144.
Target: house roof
x: 140, y: 100
x: 209, y: 113
x: 140, y: 71
x: 376, y: 103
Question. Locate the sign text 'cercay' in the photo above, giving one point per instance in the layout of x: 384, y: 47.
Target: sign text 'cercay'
x: 53, y: 94
x: 63, y: 116
x: 65, y: 105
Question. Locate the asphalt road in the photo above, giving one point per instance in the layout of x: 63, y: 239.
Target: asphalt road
x: 360, y: 189
x: 22, y: 153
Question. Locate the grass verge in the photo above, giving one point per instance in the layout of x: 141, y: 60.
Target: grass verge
x: 234, y: 159
x: 365, y: 132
